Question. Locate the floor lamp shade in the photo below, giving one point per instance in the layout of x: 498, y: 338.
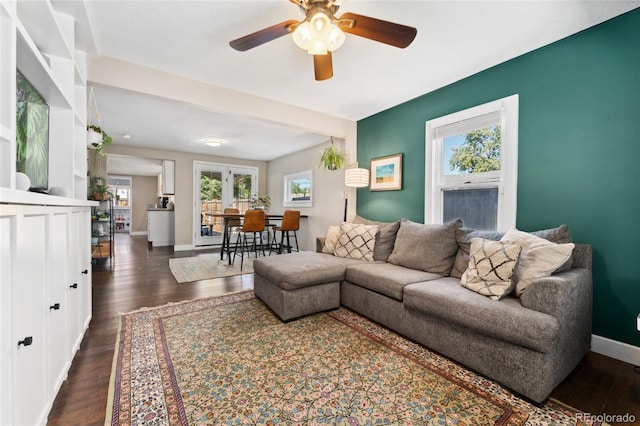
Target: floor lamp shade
x: 356, y: 178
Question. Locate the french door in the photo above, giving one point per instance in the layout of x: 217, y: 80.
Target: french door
x: 219, y: 186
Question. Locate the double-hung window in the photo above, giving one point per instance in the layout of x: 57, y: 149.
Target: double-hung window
x: 472, y: 166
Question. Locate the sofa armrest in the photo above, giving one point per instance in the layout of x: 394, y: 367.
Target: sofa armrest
x: 558, y: 294
x: 319, y: 244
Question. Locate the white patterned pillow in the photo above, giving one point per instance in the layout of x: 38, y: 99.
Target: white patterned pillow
x: 491, y: 266
x: 331, y: 239
x: 539, y: 258
x: 356, y: 241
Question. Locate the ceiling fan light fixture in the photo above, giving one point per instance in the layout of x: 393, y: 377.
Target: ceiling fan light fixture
x: 302, y: 36
x: 319, y: 35
x: 320, y: 26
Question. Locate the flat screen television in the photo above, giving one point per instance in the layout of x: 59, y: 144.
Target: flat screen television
x: 32, y: 134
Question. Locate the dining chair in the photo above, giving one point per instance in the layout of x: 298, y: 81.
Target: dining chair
x: 290, y: 223
x: 231, y: 225
x: 251, y: 230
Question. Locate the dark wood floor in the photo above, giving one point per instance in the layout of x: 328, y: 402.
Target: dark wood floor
x: 140, y: 277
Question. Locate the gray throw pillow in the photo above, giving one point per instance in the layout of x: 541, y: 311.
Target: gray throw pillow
x: 429, y: 248
x: 385, y: 240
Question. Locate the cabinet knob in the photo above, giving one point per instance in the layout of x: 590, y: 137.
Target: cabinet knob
x: 86, y: 271
x: 55, y: 306
x: 74, y: 285
x: 27, y: 341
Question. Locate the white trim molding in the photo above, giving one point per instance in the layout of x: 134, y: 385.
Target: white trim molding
x: 615, y: 349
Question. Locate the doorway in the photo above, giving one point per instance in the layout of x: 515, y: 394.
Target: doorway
x: 219, y: 186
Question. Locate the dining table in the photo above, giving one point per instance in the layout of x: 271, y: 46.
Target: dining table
x: 226, y: 218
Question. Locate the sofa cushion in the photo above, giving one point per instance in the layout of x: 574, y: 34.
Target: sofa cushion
x: 491, y: 266
x: 356, y: 241
x: 539, y: 258
x: 429, y: 248
x: 505, y: 319
x: 463, y: 238
x: 386, y: 278
x: 292, y: 271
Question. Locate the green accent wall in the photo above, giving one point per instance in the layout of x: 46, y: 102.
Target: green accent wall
x: 578, y: 153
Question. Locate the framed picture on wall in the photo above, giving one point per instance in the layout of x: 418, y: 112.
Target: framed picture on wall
x: 386, y: 173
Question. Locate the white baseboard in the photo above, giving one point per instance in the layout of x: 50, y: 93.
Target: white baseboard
x: 138, y: 233
x: 615, y: 349
x: 182, y: 247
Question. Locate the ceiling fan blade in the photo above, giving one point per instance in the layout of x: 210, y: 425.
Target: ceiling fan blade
x: 263, y: 36
x: 323, y: 66
x: 376, y: 29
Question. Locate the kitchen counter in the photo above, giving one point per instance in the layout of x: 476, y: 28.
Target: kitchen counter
x: 160, y: 227
x: 158, y: 209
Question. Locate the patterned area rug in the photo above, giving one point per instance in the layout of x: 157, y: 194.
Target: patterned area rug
x: 229, y: 360
x: 205, y: 267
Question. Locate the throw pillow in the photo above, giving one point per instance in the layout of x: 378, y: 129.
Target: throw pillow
x: 356, y: 241
x: 464, y: 237
x: 331, y: 239
x: 491, y: 266
x: 539, y: 258
x: 385, y: 240
x: 429, y: 248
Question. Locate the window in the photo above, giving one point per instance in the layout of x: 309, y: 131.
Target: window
x: 472, y: 166
x: 298, y: 189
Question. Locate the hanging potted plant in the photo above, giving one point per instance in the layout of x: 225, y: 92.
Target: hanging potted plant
x: 97, y: 138
x: 333, y: 159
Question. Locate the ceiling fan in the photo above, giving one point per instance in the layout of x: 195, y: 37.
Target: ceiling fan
x: 321, y: 32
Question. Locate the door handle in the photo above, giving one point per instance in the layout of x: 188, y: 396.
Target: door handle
x: 27, y: 341
x: 74, y: 285
x: 55, y: 306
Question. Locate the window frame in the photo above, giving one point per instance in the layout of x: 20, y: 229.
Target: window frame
x: 508, y: 109
x: 288, y: 200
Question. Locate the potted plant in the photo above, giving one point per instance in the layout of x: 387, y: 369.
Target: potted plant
x: 97, y: 138
x: 260, y: 202
x: 103, y: 215
x: 333, y: 159
x: 94, y: 237
x: 100, y: 192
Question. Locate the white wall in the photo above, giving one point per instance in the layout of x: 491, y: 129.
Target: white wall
x: 328, y: 189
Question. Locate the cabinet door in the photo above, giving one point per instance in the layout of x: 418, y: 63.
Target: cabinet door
x: 7, y: 268
x: 58, y: 349
x: 29, y: 320
x: 74, y: 284
x: 84, y: 265
x: 168, y: 177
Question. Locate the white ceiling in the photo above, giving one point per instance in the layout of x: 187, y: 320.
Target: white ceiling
x: 190, y: 38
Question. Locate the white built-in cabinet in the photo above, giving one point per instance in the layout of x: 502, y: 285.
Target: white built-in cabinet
x: 45, y: 304
x: 45, y: 241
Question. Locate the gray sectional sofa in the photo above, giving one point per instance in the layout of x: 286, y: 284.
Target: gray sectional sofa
x: 528, y: 343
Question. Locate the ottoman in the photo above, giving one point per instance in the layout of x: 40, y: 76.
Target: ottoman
x: 298, y: 284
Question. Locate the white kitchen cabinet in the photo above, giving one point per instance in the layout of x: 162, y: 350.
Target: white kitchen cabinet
x: 160, y: 227
x: 43, y: 305
x: 168, y: 177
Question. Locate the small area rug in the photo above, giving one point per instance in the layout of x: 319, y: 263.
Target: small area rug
x: 207, y: 266
x: 229, y: 360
